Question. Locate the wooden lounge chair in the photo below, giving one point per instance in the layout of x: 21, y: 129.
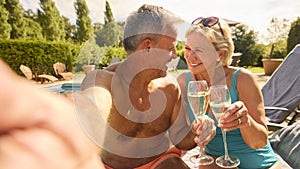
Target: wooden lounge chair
x: 34, y: 76
x: 281, y: 92
x: 60, y: 70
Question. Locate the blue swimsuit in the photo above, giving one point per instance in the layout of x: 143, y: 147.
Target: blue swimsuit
x: 250, y: 158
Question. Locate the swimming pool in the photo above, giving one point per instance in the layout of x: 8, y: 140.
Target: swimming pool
x: 65, y: 87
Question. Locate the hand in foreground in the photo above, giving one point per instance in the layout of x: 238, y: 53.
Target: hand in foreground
x: 205, y: 131
x: 236, y: 116
x: 39, y: 129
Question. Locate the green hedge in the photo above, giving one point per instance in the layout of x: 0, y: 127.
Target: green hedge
x: 38, y: 55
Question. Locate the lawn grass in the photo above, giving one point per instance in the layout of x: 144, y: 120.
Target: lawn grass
x: 252, y: 69
x: 256, y: 69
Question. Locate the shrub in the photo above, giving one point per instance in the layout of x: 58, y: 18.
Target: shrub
x: 38, y: 55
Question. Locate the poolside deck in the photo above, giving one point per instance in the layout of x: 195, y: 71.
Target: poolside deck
x: 260, y: 77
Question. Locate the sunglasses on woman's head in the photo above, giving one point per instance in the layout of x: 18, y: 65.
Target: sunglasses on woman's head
x: 208, y: 22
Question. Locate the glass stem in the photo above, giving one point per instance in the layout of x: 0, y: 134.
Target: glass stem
x: 201, y: 151
x: 225, y: 145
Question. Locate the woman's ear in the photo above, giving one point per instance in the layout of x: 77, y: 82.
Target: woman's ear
x: 221, y: 53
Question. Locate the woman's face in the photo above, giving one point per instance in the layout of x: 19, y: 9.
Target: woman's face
x: 199, y: 53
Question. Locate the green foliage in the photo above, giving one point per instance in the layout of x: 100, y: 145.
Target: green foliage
x: 97, y: 26
x: 277, y: 32
x: 5, y: 27
x: 109, y: 35
x: 30, y: 14
x: 38, y: 55
x: 51, y: 21
x: 90, y: 54
x: 180, y: 49
x: 244, y: 42
x: 108, y: 15
x: 16, y: 19
x: 113, y: 52
x: 293, y: 36
x: 83, y: 22
x: 279, y: 50
x: 70, y: 30
x: 33, y: 30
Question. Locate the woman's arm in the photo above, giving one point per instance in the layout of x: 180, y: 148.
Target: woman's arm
x: 250, y: 110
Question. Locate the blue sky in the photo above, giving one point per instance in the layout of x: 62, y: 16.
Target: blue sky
x: 257, y: 14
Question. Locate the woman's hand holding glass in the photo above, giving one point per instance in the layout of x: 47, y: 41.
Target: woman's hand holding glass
x: 219, y: 102
x: 236, y: 116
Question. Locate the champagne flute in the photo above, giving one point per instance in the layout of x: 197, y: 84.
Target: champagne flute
x: 198, y: 98
x: 219, y: 102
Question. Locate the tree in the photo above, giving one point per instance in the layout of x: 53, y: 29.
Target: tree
x: 83, y: 22
x: 16, y: 19
x: 111, y: 33
x: 33, y: 30
x: 244, y: 42
x: 5, y: 27
x: 70, y: 30
x: 51, y: 21
x: 97, y: 26
x: 108, y: 16
x: 31, y: 15
x: 293, y: 35
x: 91, y: 54
x: 277, y: 31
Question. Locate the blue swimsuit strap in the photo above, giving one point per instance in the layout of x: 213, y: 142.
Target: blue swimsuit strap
x: 233, y: 92
x: 191, y: 115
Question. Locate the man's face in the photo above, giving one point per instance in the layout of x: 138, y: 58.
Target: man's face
x: 167, y: 43
x: 167, y: 47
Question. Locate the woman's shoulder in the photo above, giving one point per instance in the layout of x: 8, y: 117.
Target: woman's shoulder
x: 246, y: 80
x: 241, y: 73
x: 245, y: 74
x: 181, y: 78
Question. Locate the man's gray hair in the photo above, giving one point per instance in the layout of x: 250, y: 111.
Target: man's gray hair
x: 150, y: 22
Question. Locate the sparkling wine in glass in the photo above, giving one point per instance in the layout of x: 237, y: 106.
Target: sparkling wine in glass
x: 198, y: 98
x: 219, y: 102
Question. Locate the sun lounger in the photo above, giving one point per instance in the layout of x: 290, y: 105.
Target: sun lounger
x: 61, y: 72
x: 285, y: 143
x: 34, y: 76
x: 281, y: 92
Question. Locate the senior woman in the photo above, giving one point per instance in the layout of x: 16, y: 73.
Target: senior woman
x: 208, y: 53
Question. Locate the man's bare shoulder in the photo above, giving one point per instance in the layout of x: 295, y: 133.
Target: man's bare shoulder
x: 168, y: 83
x: 167, y: 80
x: 100, y: 78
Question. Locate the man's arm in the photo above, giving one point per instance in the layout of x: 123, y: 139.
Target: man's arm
x: 39, y: 128
x: 185, y: 135
x: 181, y: 134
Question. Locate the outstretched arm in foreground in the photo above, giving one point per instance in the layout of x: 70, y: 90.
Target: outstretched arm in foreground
x: 39, y: 129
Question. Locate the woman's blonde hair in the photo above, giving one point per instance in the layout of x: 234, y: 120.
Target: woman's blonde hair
x: 220, y: 36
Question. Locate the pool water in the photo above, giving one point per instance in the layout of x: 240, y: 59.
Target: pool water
x: 63, y: 88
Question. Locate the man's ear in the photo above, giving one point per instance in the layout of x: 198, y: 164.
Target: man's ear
x: 146, y: 44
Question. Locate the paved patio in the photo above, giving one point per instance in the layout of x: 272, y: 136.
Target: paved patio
x: 260, y: 77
